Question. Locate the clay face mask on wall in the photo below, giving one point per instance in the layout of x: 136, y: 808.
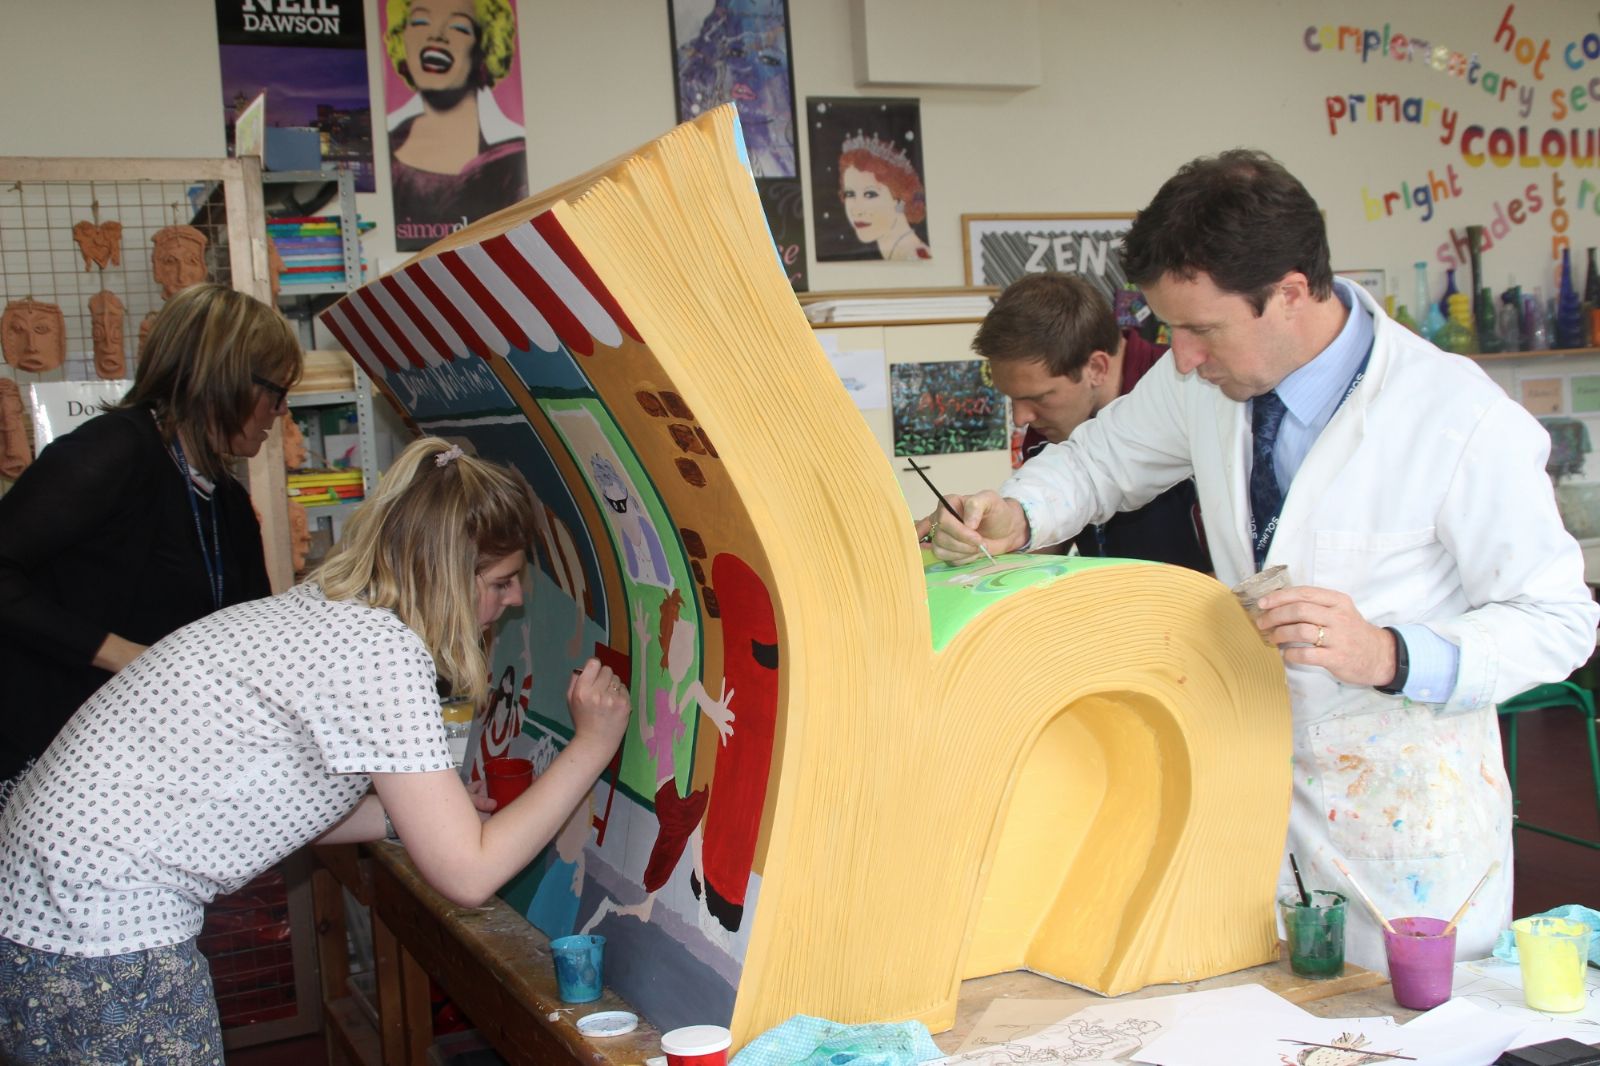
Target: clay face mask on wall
x: 106, y: 315
x: 14, y: 453
x: 179, y: 259
x: 32, y: 335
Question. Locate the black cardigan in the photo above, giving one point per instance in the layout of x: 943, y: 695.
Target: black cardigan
x: 97, y: 537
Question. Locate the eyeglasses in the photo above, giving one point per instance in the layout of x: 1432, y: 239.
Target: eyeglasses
x: 279, y: 392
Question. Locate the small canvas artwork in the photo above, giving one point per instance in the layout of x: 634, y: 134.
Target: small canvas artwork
x: 945, y: 407
x: 868, y: 199
x: 783, y: 203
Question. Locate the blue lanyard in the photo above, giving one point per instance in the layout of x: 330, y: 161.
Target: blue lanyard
x: 213, y: 555
x: 1263, y: 541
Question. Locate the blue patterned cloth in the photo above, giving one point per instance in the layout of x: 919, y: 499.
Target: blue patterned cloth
x: 1505, y: 948
x: 807, y: 1041
x: 153, y: 1007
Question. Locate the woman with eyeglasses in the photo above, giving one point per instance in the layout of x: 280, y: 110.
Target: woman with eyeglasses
x: 259, y: 728
x: 132, y: 524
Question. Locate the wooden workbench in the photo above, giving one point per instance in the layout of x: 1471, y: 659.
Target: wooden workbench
x: 497, y: 967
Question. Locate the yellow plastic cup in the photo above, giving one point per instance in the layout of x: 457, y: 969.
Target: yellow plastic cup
x: 1553, y: 953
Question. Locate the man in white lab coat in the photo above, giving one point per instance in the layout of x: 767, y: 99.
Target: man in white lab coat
x: 1405, y: 492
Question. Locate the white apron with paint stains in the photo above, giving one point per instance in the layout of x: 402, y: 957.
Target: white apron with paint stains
x: 1425, y: 500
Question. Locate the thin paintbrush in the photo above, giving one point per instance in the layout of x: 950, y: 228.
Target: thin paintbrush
x: 1341, y: 1047
x: 1364, y: 898
x: 1305, y: 897
x: 926, y: 480
x: 1493, y: 866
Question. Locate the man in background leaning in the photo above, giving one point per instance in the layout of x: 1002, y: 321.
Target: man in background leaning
x: 1406, y: 494
x: 1054, y: 348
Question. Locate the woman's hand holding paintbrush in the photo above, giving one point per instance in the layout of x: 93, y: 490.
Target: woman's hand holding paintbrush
x: 966, y: 527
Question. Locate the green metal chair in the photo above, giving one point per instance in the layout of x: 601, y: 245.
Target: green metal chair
x: 1544, y: 697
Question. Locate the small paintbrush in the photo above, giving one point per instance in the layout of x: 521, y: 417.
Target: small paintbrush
x: 1305, y: 897
x: 1341, y: 1047
x: 928, y: 481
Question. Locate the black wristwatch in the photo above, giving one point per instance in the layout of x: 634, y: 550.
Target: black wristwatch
x: 1402, y: 664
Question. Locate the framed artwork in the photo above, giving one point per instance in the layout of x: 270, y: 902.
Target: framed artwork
x: 946, y: 407
x: 999, y: 249
x: 439, y: 85
x: 1369, y: 278
x: 312, y: 68
x: 738, y: 50
x: 867, y: 197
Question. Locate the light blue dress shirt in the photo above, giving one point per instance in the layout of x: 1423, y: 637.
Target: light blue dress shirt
x: 1311, y: 395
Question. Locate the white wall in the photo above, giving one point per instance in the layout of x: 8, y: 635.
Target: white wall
x: 1131, y: 91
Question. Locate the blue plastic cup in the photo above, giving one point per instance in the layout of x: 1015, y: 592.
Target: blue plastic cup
x: 578, y: 967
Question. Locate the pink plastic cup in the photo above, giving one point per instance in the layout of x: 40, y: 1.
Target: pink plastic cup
x: 508, y: 778
x: 1421, y: 961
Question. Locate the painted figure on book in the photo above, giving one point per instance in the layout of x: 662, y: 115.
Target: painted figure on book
x: 678, y: 817
x: 882, y: 197
x: 455, y: 153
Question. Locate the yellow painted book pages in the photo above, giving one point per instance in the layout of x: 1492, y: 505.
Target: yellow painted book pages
x: 851, y: 780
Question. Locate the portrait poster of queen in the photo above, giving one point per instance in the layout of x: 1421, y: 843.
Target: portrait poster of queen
x: 453, y: 99
x: 868, y: 201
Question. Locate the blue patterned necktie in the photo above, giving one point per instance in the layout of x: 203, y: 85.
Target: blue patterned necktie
x: 1266, y: 499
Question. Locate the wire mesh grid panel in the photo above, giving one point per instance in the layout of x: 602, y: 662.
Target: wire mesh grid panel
x: 84, y: 265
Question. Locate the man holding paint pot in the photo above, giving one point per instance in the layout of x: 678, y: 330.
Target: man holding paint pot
x: 1402, y: 488
x: 1055, y: 349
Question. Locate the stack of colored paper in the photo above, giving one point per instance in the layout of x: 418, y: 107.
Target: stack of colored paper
x: 312, y: 249
x: 315, y: 488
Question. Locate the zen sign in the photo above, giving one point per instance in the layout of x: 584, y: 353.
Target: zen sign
x: 999, y: 249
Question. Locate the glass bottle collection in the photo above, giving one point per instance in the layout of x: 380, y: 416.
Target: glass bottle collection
x: 1478, y: 322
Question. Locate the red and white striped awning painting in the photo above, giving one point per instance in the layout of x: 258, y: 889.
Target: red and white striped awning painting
x: 526, y: 289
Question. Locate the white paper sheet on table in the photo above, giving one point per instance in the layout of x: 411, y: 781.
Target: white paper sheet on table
x: 1112, y: 1032
x: 1456, y: 1033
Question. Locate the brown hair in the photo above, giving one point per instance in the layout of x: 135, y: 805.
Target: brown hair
x: 418, y: 544
x: 1241, y: 219
x: 1059, y: 318
x: 197, y: 365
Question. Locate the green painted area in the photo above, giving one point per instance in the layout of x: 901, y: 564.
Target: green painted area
x: 958, y: 594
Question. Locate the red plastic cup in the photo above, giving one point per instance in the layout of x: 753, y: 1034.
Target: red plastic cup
x: 508, y: 778
x: 697, y: 1045
x: 1421, y: 962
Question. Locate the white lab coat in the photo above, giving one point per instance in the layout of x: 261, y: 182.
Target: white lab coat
x: 1425, y: 500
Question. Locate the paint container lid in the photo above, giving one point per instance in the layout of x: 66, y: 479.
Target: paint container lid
x: 608, y: 1023
x: 696, y: 1040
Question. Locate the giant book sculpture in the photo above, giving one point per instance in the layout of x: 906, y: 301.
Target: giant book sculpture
x: 851, y: 781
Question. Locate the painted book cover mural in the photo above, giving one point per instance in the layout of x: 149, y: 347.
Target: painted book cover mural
x: 829, y: 742
x: 514, y: 348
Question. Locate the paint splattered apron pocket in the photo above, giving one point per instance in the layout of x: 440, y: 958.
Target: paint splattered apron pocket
x: 1397, y: 784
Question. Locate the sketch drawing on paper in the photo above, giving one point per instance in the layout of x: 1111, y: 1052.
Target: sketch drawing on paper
x: 1346, y: 1050
x: 1080, y: 1041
